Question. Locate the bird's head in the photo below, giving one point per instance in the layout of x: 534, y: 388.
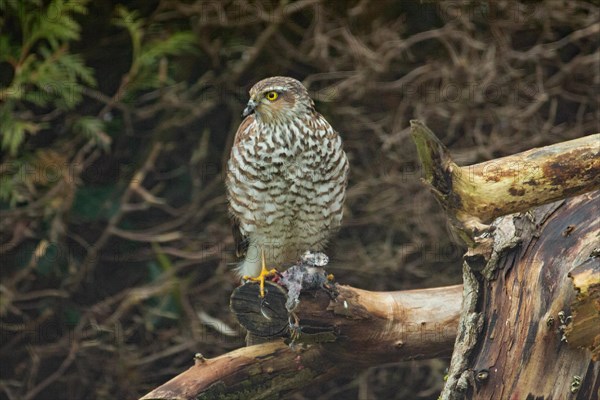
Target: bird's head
x: 278, y: 99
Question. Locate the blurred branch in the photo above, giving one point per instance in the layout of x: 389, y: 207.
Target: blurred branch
x: 135, y: 182
x: 144, y: 237
x: 60, y: 371
x: 478, y: 193
x: 362, y: 329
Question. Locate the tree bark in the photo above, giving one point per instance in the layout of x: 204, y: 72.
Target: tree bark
x: 585, y: 329
x: 511, y: 342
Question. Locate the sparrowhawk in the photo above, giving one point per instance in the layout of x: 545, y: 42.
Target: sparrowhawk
x: 286, y: 178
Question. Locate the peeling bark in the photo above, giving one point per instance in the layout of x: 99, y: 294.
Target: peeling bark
x: 521, y: 351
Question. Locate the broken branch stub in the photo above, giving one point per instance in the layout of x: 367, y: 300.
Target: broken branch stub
x: 476, y: 194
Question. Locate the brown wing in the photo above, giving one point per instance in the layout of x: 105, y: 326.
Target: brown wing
x: 243, y: 130
x: 240, y: 241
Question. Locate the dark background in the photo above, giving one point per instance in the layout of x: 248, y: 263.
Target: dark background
x: 116, y: 120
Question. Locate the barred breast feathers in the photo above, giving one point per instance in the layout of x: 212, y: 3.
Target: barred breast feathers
x: 286, y: 177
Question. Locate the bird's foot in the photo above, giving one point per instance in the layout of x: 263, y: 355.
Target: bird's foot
x: 294, y: 327
x: 262, y: 277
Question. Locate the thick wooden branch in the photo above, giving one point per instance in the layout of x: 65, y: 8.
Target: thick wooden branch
x: 355, y: 330
x: 476, y: 194
x: 517, y: 337
x: 253, y: 372
x: 520, y: 309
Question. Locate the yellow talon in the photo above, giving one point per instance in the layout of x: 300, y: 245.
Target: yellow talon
x: 264, y: 274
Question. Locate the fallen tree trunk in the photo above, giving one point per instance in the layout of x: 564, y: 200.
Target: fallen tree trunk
x: 516, y: 298
x: 353, y: 331
x: 511, y: 341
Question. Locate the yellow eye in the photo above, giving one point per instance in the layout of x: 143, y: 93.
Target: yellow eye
x: 272, y: 96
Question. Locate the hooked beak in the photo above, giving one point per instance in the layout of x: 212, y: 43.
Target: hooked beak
x: 250, y: 107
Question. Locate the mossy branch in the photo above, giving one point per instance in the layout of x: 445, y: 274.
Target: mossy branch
x: 476, y: 194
